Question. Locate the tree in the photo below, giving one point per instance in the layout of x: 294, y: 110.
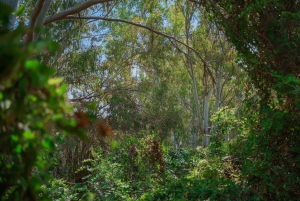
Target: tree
x: 266, y: 35
x: 31, y: 103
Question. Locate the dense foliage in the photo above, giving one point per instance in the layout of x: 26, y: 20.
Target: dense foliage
x: 266, y: 34
x: 167, y: 76
x: 31, y: 103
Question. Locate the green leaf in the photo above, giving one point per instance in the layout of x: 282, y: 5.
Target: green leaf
x: 72, y: 122
x: 19, y: 11
x: 39, y: 124
x: 48, y: 144
x: 32, y: 64
x: 1, y: 95
x: 8, y: 166
x: 114, y: 144
x: 57, y: 117
x: 61, y: 90
x: 93, y: 105
x: 18, y: 149
x: 32, y: 97
x: 29, y: 135
x: 54, y: 81
x: 14, y: 138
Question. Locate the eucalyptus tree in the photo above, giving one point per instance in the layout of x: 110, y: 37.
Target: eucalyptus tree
x: 211, y: 66
x: 91, y: 63
x: 266, y: 35
x: 151, y: 58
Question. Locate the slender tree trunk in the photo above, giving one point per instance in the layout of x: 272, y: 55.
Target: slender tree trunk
x: 207, y: 97
x: 195, y: 91
x: 199, y: 118
x: 218, y: 91
x: 175, y: 142
x: 37, y: 18
x: 218, y: 95
x: 227, y: 138
x: 41, y: 18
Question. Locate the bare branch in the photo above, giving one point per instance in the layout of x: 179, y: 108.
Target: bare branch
x: 73, y: 10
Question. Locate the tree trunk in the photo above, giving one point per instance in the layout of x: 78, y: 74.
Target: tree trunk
x: 195, y: 91
x: 218, y: 96
x: 41, y: 18
x: 207, y: 97
x: 218, y: 91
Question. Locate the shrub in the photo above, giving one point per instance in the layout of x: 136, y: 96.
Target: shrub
x: 30, y: 102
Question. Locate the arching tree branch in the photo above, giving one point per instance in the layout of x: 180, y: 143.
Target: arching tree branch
x: 73, y: 10
x: 171, y: 38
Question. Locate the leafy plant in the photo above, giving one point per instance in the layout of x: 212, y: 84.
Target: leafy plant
x: 31, y: 102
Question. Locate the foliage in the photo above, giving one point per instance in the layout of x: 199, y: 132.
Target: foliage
x: 59, y: 190
x: 141, y: 82
x: 227, y: 127
x: 207, y: 179
x: 124, y: 173
x: 31, y: 102
x: 195, y: 189
x: 266, y: 34
x: 179, y: 162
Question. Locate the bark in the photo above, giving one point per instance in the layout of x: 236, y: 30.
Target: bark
x: 199, y: 118
x: 218, y: 96
x: 73, y: 10
x: 12, y: 18
x: 175, y: 141
x: 207, y: 97
x: 41, y: 18
x: 218, y: 92
x: 33, y: 19
x: 227, y: 138
x: 192, y: 74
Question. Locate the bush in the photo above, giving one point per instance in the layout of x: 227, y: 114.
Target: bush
x: 31, y: 101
